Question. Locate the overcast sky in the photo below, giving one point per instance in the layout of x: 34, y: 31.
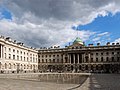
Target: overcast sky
x: 44, y: 23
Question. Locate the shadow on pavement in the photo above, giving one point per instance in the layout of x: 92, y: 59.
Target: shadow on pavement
x: 104, y: 82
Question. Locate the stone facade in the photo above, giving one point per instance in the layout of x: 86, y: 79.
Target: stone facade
x: 16, y: 58
x: 80, y: 58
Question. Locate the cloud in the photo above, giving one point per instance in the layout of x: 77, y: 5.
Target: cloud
x: 103, y: 34
x: 1, y: 15
x: 96, y: 39
x: 117, y: 40
x: 101, y: 37
x: 49, y: 22
x: 40, y: 35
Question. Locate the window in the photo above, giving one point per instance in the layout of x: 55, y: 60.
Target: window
x: 17, y: 57
x: 21, y: 58
x: 92, y: 54
x: 42, y: 60
x: 58, y: 60
x: 112, y: 59
x: 5, y: 55
x: 118, y: 59
x: 61, y: 60
x: 13, y: 56
x: 24, y: 58
x: 107, y: 59
x: 113, y: 53
x: 9, y: 56
x: 9, y: 49
x: 91, y: 59
x: 50, y: 60
x: 101, y: 53
x: 24, y: 53
x: 97, y: 54
x: 49, y: 55
x: 86, y: 58
x: 101, y: 59
x: 53, y: 55
x: 27, y: 58
x: 118, y: 52
x: 53, y: 60
x: 9, y: 66
x: 45, y: 55
x: 13, y: 50
x: 42, y: 55
x: 107, y: 53
x: 17, y: 51
x: 21, y: 52
x: 57, y: 55
x: 96, y: 59
x: 39, y: 61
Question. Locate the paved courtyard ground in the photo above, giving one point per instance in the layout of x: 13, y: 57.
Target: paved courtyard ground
x: 93, y: 82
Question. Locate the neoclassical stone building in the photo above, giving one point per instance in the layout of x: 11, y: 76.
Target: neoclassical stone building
x: 80, y: 58
x: 15, y: 57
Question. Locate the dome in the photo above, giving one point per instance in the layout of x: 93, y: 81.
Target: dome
x: 78, y: 41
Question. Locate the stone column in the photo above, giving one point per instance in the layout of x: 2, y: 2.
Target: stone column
x: 83, y: 56
x: 74, y: 58
x: 69, y: 58
x: 89, y: 58
x: 78, y: 57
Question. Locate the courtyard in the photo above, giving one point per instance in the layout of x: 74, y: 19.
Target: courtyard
x: 89, y: 82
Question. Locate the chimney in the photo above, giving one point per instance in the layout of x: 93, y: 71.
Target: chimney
x: 108, y: 43
x: 14, y: 41
x: 8, y: 38
x: 113, y: 43
x: 98, y: 44
x: 22, y: 44
x: 117, y: 43
x: 19, y: 43
x: 90, y: 45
